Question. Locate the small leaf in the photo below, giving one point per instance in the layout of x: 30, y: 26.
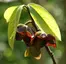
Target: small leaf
x: 9, y: 12
x: 44, y: 20
x: 12, y: 26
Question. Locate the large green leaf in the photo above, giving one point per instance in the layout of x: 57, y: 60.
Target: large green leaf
x: 9, y: 12
x: 44, y: 20
x: 12, y: 26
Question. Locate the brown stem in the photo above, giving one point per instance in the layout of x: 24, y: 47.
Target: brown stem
x: 47, y: 48
x: 50, y: 53
x: 32, y: 19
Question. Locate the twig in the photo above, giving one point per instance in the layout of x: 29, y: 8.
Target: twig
x: 50, y: 53
x: 47, y: 48
x: 32, y: 19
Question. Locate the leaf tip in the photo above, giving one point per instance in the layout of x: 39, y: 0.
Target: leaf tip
x: 8, y: 12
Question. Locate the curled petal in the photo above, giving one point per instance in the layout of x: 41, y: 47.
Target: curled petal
x: 26, y: 54
x: 38, y: 57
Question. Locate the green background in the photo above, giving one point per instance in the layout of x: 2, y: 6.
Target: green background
x: 7, y: 56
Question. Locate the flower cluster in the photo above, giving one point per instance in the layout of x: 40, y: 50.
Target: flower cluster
x: 34, y: 40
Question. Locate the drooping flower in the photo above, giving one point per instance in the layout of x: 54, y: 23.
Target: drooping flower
x: 34, y: 40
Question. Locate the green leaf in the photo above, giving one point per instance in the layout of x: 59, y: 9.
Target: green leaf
x: 9, y: 12
x: 44, y: 20
x: 12, y: 26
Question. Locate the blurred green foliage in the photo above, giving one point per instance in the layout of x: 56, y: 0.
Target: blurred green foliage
x: 7, y: 56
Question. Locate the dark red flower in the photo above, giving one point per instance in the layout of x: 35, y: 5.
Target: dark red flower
x: 34, y: 40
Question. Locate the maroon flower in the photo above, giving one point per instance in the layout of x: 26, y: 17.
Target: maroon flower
x: 34, y: 41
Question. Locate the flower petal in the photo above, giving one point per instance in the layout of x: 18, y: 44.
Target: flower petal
x: 26, y: 54
x: 38, y: 57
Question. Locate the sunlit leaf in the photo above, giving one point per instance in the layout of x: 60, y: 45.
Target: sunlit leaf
x: 9, y: 12
x: 44, y: 20
x: 12, y: 26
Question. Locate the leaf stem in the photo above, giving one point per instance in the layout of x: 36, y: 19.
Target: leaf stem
x: 50, y: 53
x: 32, y: 18
x: 47, y: 48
